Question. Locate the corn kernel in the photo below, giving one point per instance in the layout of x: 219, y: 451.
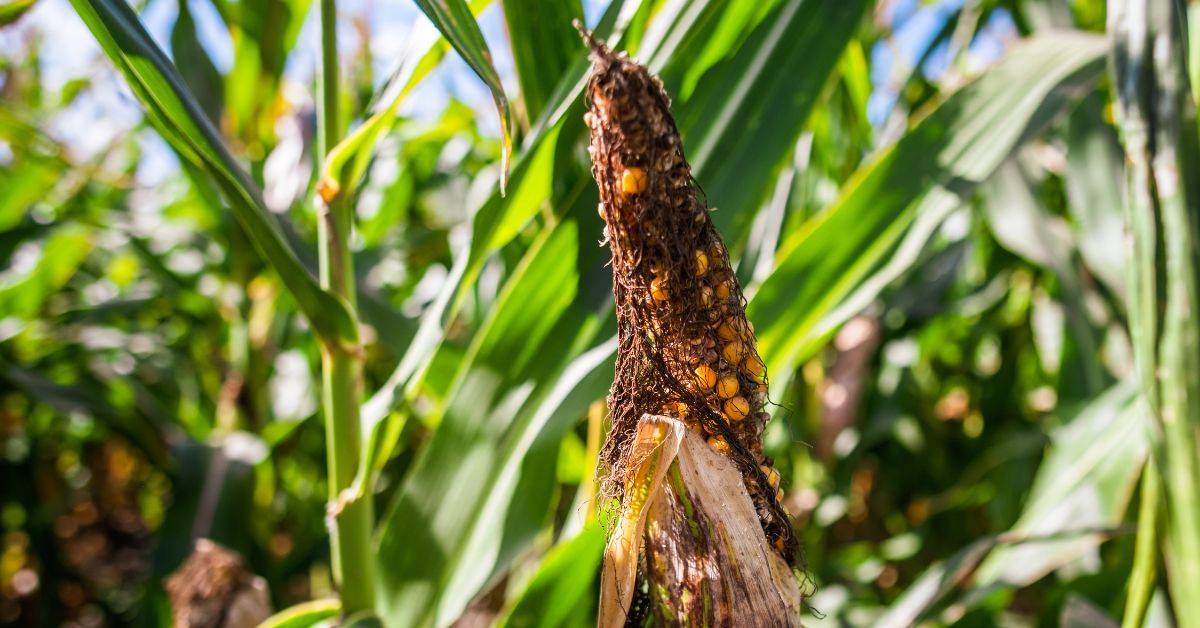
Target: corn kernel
x: 737, y: 408
x: 719, y: 444
x: 678, y: 408
x: 706, y: 296
x: 779, y: 495
x: 706, y: 378
x: 733, y: 352
x: 723, y: 290
x: 701, y: 263
x: 755, y: 367
x: 658, y: 289
x: 726, y: 332
x: 633, y: 181
x: 727, y: 387
x: 772, y: 475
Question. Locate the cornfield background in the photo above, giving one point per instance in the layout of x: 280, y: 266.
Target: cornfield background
x: 966, y: 230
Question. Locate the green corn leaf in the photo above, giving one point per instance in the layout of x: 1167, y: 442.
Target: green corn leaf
x: 12, y: 10
x: 348, y: 161
x: 1085, y: 481
x: 497, y: 221
x: 1078, y: 500
x: 487, y: 466
x: 742, y: 122
x: 561, y: 593
x: 304, y: 615
x: 1145, y: 558
x: 457, y: 24
x: 181, y: 121
x: 543, y: 44
x: 837, y: 263
x: 1095, y: 191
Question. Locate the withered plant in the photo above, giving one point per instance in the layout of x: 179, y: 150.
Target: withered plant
x: 702, y: 537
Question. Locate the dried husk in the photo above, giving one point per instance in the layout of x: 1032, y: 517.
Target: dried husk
x: 707, y: 559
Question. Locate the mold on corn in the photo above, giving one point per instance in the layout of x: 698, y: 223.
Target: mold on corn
x: 682, y: 328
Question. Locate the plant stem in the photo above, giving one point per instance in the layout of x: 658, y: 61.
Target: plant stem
x: 341, y: 369
x: 1145, y: 553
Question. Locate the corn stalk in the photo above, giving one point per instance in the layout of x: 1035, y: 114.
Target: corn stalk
x: 1157, y: 120
x: 351, y: 518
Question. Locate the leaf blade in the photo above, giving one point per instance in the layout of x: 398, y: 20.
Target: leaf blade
x: 181, y: 121
x: 453, y: 18
x: 835, y: 264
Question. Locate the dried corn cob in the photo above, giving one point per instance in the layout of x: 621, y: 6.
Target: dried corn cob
x: 686, y: 350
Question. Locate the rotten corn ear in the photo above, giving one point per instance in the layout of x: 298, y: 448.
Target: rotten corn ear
x: 686, y: 351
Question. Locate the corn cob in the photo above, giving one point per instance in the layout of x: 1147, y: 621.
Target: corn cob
x: 686, y: 350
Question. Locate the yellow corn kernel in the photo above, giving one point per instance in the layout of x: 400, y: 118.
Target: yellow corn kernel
x: 701, y: 263
x: 726, y: 332
x: 677, y: 408
x: 737, y: 408
x: 658, y: 289
x: 706, y: 378
x: 755, y: 367
x: 779, y: 495
x: 719, y: 444
x: 772, y: 475
x: 633, y: 181
x: 727, y: 387
x: 723, y: 290
x: 733, y: 352
x: 706, y: 296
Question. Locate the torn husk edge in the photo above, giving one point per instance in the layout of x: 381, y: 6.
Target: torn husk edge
x: 687, y: 504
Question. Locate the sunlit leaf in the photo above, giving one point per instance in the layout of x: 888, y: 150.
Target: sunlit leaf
x: 543, y: 43
x: 12, y: 10
x: 457, y: 24
x: 506, y: 405
x: 347, y: 162
x: 561, y: 593
x: 304, y: 615
x: 177, y: 116
x: 834, y: 266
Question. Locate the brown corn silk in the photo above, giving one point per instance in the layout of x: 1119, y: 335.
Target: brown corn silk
x: 684, y: 455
